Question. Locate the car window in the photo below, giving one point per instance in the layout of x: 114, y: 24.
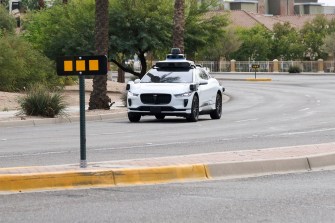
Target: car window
x: 202, y: 74
x: 168, y: 76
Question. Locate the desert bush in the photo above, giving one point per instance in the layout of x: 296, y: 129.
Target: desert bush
x: 294, y: 69
x: 22, y: 65
x: 7, y: 22
x: 39, y: 101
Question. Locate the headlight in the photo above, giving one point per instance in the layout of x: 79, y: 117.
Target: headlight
x: 132, y: 94
x: 186, y: 94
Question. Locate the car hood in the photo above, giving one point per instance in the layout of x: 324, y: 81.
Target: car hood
x: 169, y: 88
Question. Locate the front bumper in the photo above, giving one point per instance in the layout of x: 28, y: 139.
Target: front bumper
x: 178, y: 106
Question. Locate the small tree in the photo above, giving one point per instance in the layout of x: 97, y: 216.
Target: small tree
x: 223, y: 47
x: 313, y: 34
x: 256, y: 43
x: 139, y: 27
x: 287, y: 43
x: 329, y: 45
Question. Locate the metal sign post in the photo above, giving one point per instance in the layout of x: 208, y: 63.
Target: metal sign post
x: 81, y: 66
x: 83, y: 161
x: 255, y: 67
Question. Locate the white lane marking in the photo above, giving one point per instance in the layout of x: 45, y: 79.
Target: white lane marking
x: 301, y: 133
x: 111, y: 133
x: 35, y: 154
x: 247, y: 120
x: 304, y: 109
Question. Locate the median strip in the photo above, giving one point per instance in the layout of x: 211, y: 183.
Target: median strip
x: 197, y: 167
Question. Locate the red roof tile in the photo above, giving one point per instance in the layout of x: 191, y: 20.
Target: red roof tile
x: 249, y: 19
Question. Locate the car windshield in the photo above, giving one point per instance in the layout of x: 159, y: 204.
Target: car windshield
x: 168, y: 76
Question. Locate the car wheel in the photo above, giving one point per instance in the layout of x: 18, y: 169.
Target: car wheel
x: 160, y: 116
x: 133, y: 117
x: 193, y: 117
x: 216, y: 113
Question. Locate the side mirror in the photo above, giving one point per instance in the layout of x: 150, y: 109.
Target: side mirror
x: 137, y: 81
x: 193, y: 87
x: 203, y: 82
x: 128, y: 85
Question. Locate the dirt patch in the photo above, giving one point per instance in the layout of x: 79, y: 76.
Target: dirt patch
x: 9, y: 101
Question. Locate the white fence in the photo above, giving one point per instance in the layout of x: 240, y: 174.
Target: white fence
x: 267, y: 66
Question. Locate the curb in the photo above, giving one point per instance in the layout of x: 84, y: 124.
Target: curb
x: 100, y: 178
x: 59, y: 120
x: 258, y: 79
x: 244, y: 79
x: 108, y: 177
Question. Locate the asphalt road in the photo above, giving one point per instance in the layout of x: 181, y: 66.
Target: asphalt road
x: 307, y: 197
x: 290, y: 110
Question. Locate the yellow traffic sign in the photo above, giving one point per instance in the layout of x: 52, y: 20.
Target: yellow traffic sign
x: 82, y: 65
x: 255, y: 66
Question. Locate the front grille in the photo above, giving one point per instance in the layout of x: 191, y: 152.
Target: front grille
x: 156, y: 99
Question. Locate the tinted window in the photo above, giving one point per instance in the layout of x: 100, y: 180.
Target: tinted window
x: 164, y: 76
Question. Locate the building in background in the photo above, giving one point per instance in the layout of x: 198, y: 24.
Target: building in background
x: 279, y: 7
x: 250, y: 6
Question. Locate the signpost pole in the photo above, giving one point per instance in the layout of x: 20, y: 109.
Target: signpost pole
x: 81, y: 66
x: 255, y: 67
x: 83, y: 162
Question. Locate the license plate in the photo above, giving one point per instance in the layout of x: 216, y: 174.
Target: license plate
x: 155, y: 110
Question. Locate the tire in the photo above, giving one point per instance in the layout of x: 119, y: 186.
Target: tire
x: 217, y: 112
x: 193, y: 117
x: 160, y: 116
x: 133, y: 117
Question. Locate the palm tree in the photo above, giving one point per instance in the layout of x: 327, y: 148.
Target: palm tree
x: 99, y: 98
x: 41, y: 4
x: 179, y: 24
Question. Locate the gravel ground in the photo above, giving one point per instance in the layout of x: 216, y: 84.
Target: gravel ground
x: 9, y: 100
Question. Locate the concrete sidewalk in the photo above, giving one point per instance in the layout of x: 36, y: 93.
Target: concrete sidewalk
x: 248, y: 163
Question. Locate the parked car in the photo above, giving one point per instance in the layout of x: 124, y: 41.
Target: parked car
x: 175, y: 87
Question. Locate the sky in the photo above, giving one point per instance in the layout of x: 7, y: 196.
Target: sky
x: 328, y: 2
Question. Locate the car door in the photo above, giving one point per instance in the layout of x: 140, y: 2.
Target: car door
x: 204, y: 90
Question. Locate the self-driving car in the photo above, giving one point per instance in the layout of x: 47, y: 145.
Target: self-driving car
x: 174, y: 87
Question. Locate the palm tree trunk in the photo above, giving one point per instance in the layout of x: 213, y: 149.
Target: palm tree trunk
x: 179, y: 24
x: 41, y: 4
x: 99, y: 98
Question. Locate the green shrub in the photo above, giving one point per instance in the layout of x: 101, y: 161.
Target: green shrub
x: 294, y: 69
x: 22, y: 65
x: 7, y: 22
x: 39, y: 101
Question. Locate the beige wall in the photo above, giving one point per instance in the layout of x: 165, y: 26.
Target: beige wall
x: 249, y: 7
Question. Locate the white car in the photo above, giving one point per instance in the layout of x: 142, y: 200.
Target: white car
x: 175, y: 87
